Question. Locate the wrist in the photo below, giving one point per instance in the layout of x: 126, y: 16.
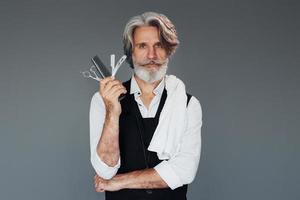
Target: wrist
x: 112, y: 115
x: 120, y: 181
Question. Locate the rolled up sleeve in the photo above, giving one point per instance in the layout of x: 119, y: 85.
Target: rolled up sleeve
x: 182, y: 168
x: 96, y: 120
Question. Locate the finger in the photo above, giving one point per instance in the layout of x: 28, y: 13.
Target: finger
x: 114, y: 89
x: 99, y: 186
x: 114, y: 96
x: 100, y: 189
x: 112, y: 83
x: 119, y: 92
x: 104, y: 81
x: 108, y: 91
x: 109, y: 85
x: 110, y: 79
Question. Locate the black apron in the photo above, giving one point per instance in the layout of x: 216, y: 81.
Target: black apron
x: 134, y: 133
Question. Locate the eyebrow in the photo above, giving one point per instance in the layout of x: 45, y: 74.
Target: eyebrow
x: 158, y: 42
x: 140, y: 43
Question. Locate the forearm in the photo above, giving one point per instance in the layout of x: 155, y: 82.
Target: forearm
x: 108, y: 145
x: 140, y: 179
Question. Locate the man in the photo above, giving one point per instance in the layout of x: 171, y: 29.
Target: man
x: 146, y: 146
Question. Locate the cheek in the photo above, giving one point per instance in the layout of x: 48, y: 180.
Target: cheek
x: 162, y: 54
x: 139, y: 55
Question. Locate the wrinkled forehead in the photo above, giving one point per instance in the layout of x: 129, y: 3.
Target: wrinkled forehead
x: 146, y: 34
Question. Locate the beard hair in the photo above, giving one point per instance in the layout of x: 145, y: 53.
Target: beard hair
x: 147, y: 75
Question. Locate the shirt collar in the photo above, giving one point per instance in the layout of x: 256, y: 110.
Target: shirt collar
x: 135, y: 89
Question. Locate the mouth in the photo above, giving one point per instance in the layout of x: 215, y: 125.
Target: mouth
x: 151, y: 65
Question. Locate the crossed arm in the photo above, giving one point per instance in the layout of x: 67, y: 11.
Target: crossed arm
x: 140, y: 179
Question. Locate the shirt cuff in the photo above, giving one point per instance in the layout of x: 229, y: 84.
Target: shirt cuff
x: 166, y: 172
x: 102, y: 169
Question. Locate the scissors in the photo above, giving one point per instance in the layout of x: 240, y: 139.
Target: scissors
x: 91, y: 73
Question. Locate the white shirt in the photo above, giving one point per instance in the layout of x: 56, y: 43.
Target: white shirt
x: 177, y: 171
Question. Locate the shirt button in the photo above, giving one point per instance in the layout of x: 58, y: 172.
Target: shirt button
x: 149, y: 191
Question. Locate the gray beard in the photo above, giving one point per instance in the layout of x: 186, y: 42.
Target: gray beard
x: 150, y: 76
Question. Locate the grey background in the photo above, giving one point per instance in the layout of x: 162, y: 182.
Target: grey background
x: 239, y: 58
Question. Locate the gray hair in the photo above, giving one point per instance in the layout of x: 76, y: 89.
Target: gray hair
x: 168, y: 35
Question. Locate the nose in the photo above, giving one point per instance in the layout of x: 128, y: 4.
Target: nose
x: 151, y: 53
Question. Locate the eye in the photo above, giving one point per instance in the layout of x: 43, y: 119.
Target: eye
x: 142, y: 46
x: 158, y: 45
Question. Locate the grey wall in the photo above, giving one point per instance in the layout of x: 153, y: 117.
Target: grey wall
x: 240, y: 58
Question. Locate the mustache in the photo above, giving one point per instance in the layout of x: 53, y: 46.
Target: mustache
x: 153, y: 62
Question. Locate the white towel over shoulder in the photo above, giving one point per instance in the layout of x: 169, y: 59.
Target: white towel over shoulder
x: 172, y: 121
